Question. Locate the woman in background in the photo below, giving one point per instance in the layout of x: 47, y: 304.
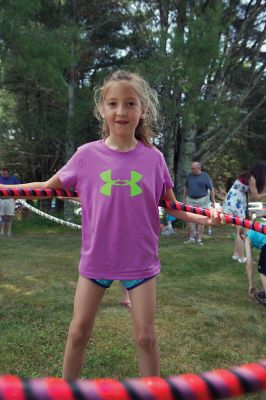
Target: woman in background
x: 252, y: 183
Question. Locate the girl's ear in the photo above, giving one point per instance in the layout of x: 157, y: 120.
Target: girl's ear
x: 143, y: 113
x: 102, y: 112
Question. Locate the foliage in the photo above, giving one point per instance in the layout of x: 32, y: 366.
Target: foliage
x: 205, y: 59
x: 209, y: 76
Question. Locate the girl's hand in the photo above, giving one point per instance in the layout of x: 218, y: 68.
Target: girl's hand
x: 252, y: 292
x: 217, y: 218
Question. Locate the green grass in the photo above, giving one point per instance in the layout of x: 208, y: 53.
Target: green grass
x: 204, y: 319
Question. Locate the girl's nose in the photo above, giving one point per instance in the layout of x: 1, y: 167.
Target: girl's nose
x: 121, y: 110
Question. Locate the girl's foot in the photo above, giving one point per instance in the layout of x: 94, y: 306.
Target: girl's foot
x: 126, y: 304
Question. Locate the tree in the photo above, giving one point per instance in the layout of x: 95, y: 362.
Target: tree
x: 204, y: 58
x: 33, y: 60
x: 50, y: 52
x: 207, y: 63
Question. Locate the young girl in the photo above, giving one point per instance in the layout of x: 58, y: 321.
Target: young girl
x: 120, y: 180
x: 250, y: 182
x: 258, y: 240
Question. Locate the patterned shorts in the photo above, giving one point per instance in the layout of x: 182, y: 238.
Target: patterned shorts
x: 127, y: 283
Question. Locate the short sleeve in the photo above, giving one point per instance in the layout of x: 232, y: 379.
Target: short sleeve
x: 167, y: 180
x: 69, y: 173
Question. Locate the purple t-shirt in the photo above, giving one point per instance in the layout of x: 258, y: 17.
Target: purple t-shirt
x: 119, y: 194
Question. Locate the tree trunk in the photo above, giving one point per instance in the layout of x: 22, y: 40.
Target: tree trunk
x: 169, y: 150
x: 186, y: 157
x: 69, y: 145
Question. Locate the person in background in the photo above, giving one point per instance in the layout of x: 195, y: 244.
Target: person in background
x: 198, y: 189
x: 209, y: 206
x: 170, y: 219
x: 251, y: 182
x: 7, y: 206
x: 167, y: 230
x: 161, y: 212
x: 258, y: 240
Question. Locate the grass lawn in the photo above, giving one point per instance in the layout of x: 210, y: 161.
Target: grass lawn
x: 205, y: 319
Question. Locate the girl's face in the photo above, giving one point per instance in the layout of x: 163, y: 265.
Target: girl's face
x: 122, y: 109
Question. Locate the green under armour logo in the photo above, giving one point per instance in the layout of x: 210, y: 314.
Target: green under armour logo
x: 106, y: 189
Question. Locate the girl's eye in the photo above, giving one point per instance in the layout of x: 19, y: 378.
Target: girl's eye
x: 112, y: 104
x: 131, y: 103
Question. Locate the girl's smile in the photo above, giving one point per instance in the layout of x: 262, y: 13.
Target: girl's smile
x: 121, y: 122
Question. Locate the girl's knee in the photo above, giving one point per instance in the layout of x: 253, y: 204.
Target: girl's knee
x: 79, y: 335
x: 146, y: 340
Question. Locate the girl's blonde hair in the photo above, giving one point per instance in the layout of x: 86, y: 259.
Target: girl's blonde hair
x: 148, y: 98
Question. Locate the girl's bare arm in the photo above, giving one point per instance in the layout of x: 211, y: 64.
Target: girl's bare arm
x: 255, y: 195
x: 187, y: 216
x: 52, y: 183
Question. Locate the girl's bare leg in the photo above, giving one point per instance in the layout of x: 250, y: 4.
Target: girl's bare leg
x: 125, y: 298
x: 143, y: 299
x: 86, y: 303
x: 201, y: 231
x: 239, y: 249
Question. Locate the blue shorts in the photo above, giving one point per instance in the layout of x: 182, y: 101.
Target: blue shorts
x: 127, y: 283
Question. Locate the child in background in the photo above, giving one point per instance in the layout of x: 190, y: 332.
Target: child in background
x: 168, y: 229
x: 120, y: 179
x: 257, y: 240
x: 170, y: 219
